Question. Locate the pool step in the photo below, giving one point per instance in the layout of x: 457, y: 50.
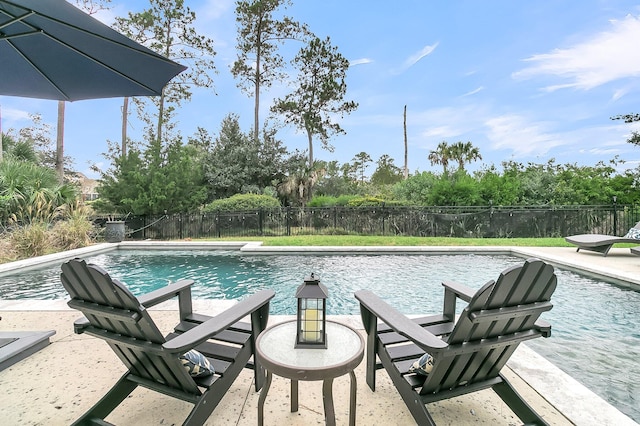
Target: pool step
x: 17, y: 345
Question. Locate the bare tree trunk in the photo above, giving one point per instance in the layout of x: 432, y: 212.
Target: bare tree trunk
x: 406, y: 148
x: 60, y: 142
x: 256, y: 106
x: 160, y: 117
x: 125, y: 119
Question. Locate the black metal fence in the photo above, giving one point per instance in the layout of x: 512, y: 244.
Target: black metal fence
x: 478, y: 222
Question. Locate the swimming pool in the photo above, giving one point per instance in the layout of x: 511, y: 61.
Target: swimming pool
x: 589, y: 318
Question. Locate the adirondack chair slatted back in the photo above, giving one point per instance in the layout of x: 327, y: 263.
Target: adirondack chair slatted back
x: 116, y: 316
x: 499, y: 316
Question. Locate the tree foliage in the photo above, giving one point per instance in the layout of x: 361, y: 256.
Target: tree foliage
x: 361, y: 162
x: 460, y: 152
x: 160, y: 179
x: 387, y: 172
x: 440, y: 156
x: 319, y: 93
x: 260, y: 35
x: 518, y: 184
x: 167, y: 27
x: 238, y: 163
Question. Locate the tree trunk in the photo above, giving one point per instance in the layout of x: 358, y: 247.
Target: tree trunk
x: 160, y: 117
x: 60, y: 142
x: 125, y: 119
x: 310, y: 138
x: 406, y: 149
x: 256, y: 106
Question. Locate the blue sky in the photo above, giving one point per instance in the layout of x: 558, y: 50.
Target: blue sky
x: 523, y: 81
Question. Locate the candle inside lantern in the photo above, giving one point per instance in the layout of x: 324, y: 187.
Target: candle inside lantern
x: 311, y: 326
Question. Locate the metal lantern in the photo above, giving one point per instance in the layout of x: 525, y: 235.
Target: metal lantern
x: 312, y: 314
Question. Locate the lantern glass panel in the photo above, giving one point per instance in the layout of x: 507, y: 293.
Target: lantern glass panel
x: 312, y: 318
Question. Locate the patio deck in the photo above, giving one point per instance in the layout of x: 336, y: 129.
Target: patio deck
x: 59, y: 383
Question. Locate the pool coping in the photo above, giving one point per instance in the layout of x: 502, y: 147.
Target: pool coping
x: 580, y: 405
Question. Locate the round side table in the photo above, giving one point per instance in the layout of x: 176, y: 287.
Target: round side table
x: 276, y: 352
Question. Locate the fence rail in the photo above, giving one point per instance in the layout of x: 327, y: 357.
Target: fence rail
x: 478, y: 222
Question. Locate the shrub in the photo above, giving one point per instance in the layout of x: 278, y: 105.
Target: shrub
x: 75, y: 231
x: 7, y: 251
x: 241, y: 202
x: 30, y: 240
x: 365, y: 202
x: 322, y: 201
x: 344, y: 200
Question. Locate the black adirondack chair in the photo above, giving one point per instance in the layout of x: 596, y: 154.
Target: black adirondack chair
x: 113, y: 314
x: 469, y: 353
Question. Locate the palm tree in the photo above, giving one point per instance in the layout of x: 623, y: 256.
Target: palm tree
x: 464, y: 152
x: 441, y: 155
x: 298, y: 185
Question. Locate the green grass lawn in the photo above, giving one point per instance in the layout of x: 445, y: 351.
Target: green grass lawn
x: 354, y: 240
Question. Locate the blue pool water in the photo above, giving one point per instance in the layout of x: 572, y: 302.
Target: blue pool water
x: 595, y: 336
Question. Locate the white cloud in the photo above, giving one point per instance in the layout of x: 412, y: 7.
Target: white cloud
x: 413, y: 59
x: 360, y: 61
x: 600, y: 152
x: 618, y: 94
x: 439, y: 132
x: 523, y: 137
x: 473, y: 92
x: 602, y: 58
x: 12, y: 118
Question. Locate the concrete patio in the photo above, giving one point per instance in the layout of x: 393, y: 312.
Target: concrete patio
x: 57, y: 384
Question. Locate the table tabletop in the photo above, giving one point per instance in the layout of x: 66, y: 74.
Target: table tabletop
x: 275, y: 347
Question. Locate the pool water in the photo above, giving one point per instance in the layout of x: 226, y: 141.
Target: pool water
x: 595, y: 337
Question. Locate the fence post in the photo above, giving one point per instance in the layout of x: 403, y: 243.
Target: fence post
x: 260, y: 218
x: 288, y: 213
x: 615, y: 216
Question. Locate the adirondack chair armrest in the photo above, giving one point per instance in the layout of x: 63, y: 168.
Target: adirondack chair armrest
x: 399, y: 322
x: 179, y: 288
x: 544, y: 327
x: 452, y: 292
x: 209, y: 328
x: 461, y: 291
x: 80, y: 324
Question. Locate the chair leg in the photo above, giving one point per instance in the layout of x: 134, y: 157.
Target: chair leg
x: 370, y: 323
x: 109, y: 402
x: 259, y: 320
x: 212, y: 396
x: 518, y: 405
x: 410, y: 396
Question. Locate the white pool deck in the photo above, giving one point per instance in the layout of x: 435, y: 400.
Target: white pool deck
x: 59, y: 383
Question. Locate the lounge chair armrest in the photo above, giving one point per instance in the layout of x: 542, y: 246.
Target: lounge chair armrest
x: 399, y: 322
x: 209, y: 328
x: 461, y: 291
x: 165, y: 293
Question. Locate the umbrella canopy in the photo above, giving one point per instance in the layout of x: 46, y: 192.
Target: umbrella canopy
x: 49, y: 49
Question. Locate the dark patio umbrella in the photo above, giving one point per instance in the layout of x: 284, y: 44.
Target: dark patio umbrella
x: 51, y: 50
